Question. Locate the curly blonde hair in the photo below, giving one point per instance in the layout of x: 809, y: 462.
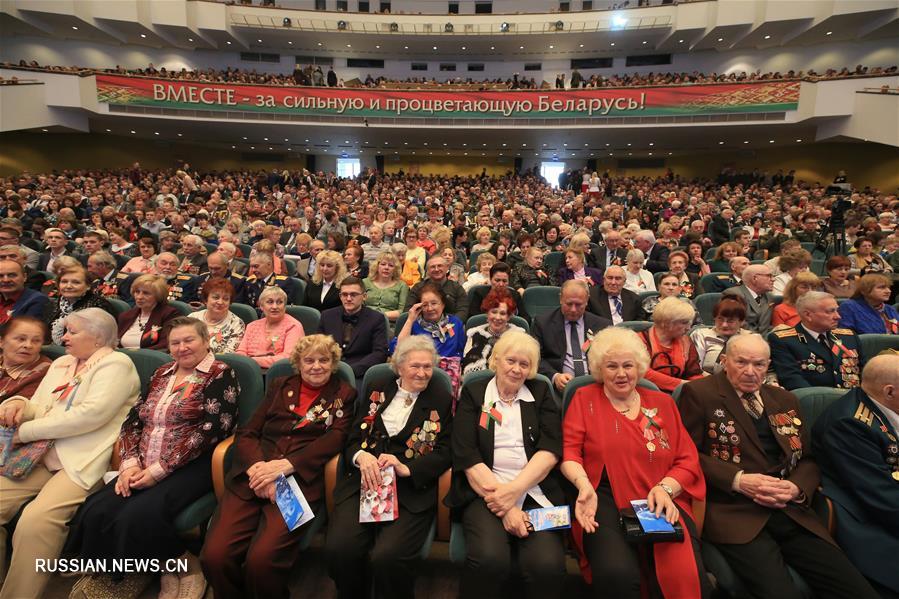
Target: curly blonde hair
x: 329, y: 256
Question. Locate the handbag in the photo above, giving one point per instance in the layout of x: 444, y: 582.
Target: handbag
x: 22, y: 459
x: 634, y: 533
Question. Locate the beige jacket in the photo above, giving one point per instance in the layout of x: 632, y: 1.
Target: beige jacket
x: 86, y: 432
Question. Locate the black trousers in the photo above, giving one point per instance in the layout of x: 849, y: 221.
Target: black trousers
x: 761, y: 564
x: 386, y: 551
x: 618, y: 566
x: 109, y: 526
x: 491, y: 551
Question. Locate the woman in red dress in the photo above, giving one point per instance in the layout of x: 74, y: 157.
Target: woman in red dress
x: 622, y: 443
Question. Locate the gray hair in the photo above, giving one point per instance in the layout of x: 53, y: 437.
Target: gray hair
x: 104, y: 258
x: 616, y: 339
x: 399, y: 247
x: 18, y: 249
x: 806, y: 300
x: 646, y: 234
x: 636, y: 254
x: 99, y: 324
x: 412, y: 343
x: 737, y: 341
x: 272, y: 290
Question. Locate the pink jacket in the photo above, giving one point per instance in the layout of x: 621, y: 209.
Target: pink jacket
x: 266, y: 348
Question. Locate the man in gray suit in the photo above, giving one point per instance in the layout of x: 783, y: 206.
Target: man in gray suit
x: 756, y: 292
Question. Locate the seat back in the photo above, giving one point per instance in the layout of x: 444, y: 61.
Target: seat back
x: 817, y: 266
x: 552, y: 261
x: 872, y: 344
x: 244, y: 312
x: 245, y: 249
x: 710, y: 253
x: 210, y: 247
x: 814, y: 400
x: 118, y: 306
x: 252, y: 388
x: 705, y: 304
x: 120, y: 260
x: 285, y: 368
x: 185, y: 309
x: 146, y: 361
x: 53, y: 351
x: 472, y: 291
x: 479, y: 319
x: 300, y: 291
x: 645, y: 295
x: 541, y: 299
x: 381, y: 374
x: 572, y: 386
x: 477, y: 375
x: 291, y: 267
x: 308, y: 317
x: 635, y: 325
x: 705, y: 282
x: 400, y: 322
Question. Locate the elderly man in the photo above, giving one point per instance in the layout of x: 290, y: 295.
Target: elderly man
x: 262, y: 275
x: 193, y: 261
x: 228, y: 251
x: 34, y: 279
x: 217, y: 267
x: 612, y: 300
x: 815, y: 352
x: 722, y: 282
x: 856, y: 442
x: 10, y: 235
x: 613, y: 254
x: 721, y: 227
x: 15, y: 299
x: 181, y: 285
x: 306, y: 266
x: 756, y: 292
x: 565, y: 333
x: 101, y: 266
x: 375, y: 244
x: 656, y: 254
x: 760, y: 481
x: 456, y: 296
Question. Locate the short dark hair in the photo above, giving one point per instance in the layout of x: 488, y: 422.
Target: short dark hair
x: 730, y: 306
x: 352, y: 281
x: 500, y: 267
x: 835, y: 262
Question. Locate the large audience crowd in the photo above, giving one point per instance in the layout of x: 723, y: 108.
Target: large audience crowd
x: 314, y: 75
x: 578, y: 346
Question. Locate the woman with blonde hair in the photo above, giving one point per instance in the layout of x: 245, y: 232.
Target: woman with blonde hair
x: 322, y: 293
x: 484, y: 244
x: 384, y: 291
x: 481, y: 275
x: 785, y: 312
x: 673, y: 357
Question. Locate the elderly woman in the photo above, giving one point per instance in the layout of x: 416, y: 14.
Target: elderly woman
x: 74, y: 293
x: 414, y: 251
x: 669, y: 286
x: 868, y: 310
x: 576, y: 268
x: 301, y: 424
x: 530, y: 272
x: 838, y: 282
x: 429, y: 318
x: 784, y: 313
x: 673, y: 357
x: 790, y: 264
x: 68, y: 427
x: 355, y: 265
x: 622, y: 442
x: 323, y: 292
x: 22, y: 366
x: 499, y: 306
x: 166, y: 448
x: 500, y: 471
x: 225, y: 328
x: 146, y: 325
x: 729, y: 315
x: 119, y: 244
x: 638, y: 278
x: 405, y: 423
x: 481, y: 276
x: 688, y: 282
x: 272, y: 338
x: 696, y: 265
x: 725, y: 251
x: 384, y: 291
x: 866, y: 259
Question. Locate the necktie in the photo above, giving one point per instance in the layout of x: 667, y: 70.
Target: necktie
x: 617, y: 301
x: 824, y: 340
x: 753, y: 404
x: 758, y: 300
x: 577, y: 358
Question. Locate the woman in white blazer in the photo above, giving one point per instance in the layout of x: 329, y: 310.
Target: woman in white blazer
x: 80, y: 405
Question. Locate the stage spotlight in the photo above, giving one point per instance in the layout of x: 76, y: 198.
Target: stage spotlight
x: 559, y: 25
x: 504, y: 27
x: 394, y: 27
x: 341, y: 25
x: 448, y: 28
x: 286, y: 22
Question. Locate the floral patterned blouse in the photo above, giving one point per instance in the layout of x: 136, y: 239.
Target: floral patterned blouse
x: 225, y: 335
x: 173, y: 425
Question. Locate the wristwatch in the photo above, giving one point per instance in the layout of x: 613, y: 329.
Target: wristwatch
x: 666, y: 488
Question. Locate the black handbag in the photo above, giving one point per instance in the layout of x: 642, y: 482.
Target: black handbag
x: 635, y: 534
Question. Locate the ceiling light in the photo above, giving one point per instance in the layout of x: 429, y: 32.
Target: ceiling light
x: 341, y: 25
x: 285, y: 22
x: 327, y: 141
x: 260, y: 41
x: 566, y: 145
x: 132, y: 131
x: 190, y: 39
x: 582, y: 45
x: 405, y: 47
x: 285, y: 139
x: 504, y: 27
x: 521, y: 47
x: 270, y: 148
x: 45, y: 130
x: 585, y: 145
x: 551, y: 47
x: 612, y: 44
x: 645, y: 42
x: 76, y: 29
x: 289, y: 43
x: 652, y: 143
x: 619, y: 21
x: 720, y: 39
x: 770, y: 141
x: 346, y: 141
x: 463, y: 47
x: 448, y: 28
x: 680, y: 41
x: 378, y: 47
x: 628, y: 145
x: 720, y: 143
x: 319, y: 43
x: 245, y: 139
x: 746, y: 141
x: 434, y: 48
x: 464, y: 144
x: 143, y: 36
x: 229, y: 43
x: 493, y: 47
x: 767, y: 37
x: 349, y: 45
x: 264, y: 139
x: 233, y: 147
x: 306, y: 140
x: 180, y: 135
x: 504, y: 145
x: 252, y: 147
x: 828, y: 33
x: 650, y: 153
x: 109, y: 130
x: 669, y: 153
x: 559, y: 25
x: 394, y: 27
x: 798, y: 141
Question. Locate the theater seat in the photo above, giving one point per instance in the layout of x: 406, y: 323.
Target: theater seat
x: 147, y: 362
x: 581, y: 381
x: 635, y: 325
x: 184, y: 308
x: 285, y: 368
x: 400, y: 321
x: 705, y: 304
x: 244, y: 312
x: 479, y: 319
x: 872, y: 344
x: 645, y: 295
x: 473, y: 290
x: 307, y: 316
x: 552, y: 261
x: 53, y: 351
x: 118, y: 306
x: 540, y: 299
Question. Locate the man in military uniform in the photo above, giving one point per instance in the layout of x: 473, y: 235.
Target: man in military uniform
x: 720, y: 282
x: 217, y: 267
x: 815, y: 353
x: 181, y: 285
x: 856, y: 445
x: 262, y: 275
x: 193, y: 261
x: 106, y: 279
x: 761, y: 479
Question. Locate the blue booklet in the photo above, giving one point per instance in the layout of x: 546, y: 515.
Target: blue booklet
x: 293, y: 505
x: 648, y: 520
x: 549, y: 518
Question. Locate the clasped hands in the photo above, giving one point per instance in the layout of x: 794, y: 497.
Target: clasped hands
x: 370, y: 468
x: 134, y: 477
x: 768, y: 491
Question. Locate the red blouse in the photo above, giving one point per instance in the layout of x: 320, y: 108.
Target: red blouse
x: 599, y: 438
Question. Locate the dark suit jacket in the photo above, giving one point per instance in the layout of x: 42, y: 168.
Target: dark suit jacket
x: 597, y: 258
x: 658, y: 259
x: 160, y: 317
x: 44, y: 259
x: 719, y: 283
x: 541, y: 430
x: 30, y: 303
x: 731, y: 517
x: 34, y: 279
x: 564, y: 274
x: 479, y: 292
x: 852, y: 450
x: 313, y: 297
x: 720, y: 230
x: 631, y: 308
x: 549, y: 331
x: 801, y: 360
x: 416, y: 493
x: 758, y: 316
x: 272, y: 434
x: 368, y: 344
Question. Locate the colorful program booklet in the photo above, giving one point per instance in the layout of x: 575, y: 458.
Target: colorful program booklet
x: 6, y: 435
x: 293, y: 505
x: 380, y: 505
x: 648, y: 520
x: 549, y: 518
